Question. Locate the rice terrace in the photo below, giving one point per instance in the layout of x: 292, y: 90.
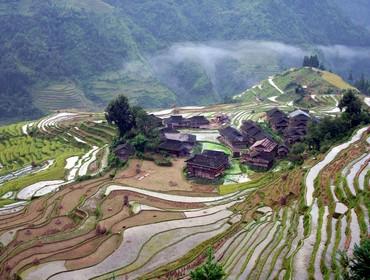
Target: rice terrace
x: 76, y: 203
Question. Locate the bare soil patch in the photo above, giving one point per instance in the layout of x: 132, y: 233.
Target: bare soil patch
x: 147, y: 175
x: 102, y: 252
x: 83, y: 250
x: 155, y: 202
x: 54, y: 226
x: 147, y: 217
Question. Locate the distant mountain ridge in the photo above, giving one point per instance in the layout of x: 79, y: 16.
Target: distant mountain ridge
x: 102, y: 47
x: 357, y: 10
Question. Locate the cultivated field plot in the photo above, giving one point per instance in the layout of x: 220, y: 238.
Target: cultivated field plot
x: 146, y: 222
x: 38, y: 157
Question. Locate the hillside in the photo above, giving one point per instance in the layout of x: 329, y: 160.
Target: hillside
x: 108, y: 47
x: 65, y: 213
x: 307, y: 87
x: 356, y: 10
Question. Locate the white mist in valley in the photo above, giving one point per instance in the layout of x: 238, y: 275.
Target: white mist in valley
x: 246, y: 62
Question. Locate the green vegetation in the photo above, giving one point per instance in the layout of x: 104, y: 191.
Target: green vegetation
x: 211, y: 270
x: 215, y: 147
x: 323, y: 135
x: 57, y: 54
x: 362, y: 84
x: 18, y: 150
x: 292, y: 81
x: 55, y: 172
x: 135, y: 126
x: 358, y: 267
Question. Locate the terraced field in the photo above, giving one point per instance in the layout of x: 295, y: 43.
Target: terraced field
x: 61, y: 96
x: 39, y: 157
x: 284, y: 224
x: 322, y: 90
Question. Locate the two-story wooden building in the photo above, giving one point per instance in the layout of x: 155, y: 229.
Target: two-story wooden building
x: 208, y: 165
x: 252, y: 132
x: 231, y: 137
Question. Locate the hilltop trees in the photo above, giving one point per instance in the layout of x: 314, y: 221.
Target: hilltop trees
x: 311, y: 61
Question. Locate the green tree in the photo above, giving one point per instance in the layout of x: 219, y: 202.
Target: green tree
x: 211, y: 270
x: 139, y: 142
x: 360, y: 263
x: 121, y: 114
x: 350, y: 77
x: 350, y: 102
x: 314, y: 61
x: 357, y: 267
x: 306, y: 61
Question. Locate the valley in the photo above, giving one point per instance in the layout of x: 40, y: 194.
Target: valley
x: 67, y: 215
x: 81, y: 54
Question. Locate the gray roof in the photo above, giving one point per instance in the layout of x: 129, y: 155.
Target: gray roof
x: 297, y: 113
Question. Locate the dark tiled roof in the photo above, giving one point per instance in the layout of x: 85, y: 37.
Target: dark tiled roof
x: 231, y: 133
x: 293, y: 132
x: 261, y: 155
x: 182, y: 137
x: 156, y: 119
x: 169, y: 130
x: 199, y: 120
x: 210, y: 159
x: 124, y: 151
x: 123, y: 147
x: 275, y: 113
x: 212, y: 153
x: 247, y: 125
x: 172, y: 145
x: 280, y: 120
x: 175, y: 119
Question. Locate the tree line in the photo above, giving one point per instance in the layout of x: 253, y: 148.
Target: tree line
x: 312, y: 61
x: 362, y: 84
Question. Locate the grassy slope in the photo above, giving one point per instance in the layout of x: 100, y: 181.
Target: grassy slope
x: 318, y: 82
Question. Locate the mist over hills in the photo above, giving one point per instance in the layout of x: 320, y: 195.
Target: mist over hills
x: 80, y: 54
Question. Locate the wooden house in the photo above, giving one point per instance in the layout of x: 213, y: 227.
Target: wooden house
x: 208, y: 165
x: 266, y: 145
x: 277, y: 119
x: 157, y: 122
x: 165, y: 130
x: 252, y: 132
x: 176, y: 148
x: 124, y: 151
x: 293, y: 135
x: 198, y: 122
x: 231, y: 137
x: 176, y: 121
x: 300, y: 116
x: 181, y: 137
x: 222, y: 119
x: 282, y: 151
x: 275, y: 113
x: 258, y: 160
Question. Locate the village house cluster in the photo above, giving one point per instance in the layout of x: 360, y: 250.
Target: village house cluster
x: 176, y: 143
x: 253, y: 145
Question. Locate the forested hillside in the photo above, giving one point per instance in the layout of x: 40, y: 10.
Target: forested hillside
x: 357, y: 10
x: 92, y: 50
